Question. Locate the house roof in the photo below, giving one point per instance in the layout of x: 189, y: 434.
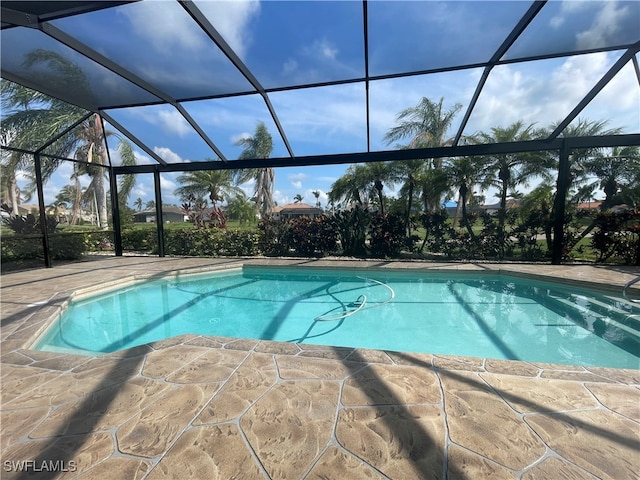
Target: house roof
x: 199, y: 65
x: 296, y: 207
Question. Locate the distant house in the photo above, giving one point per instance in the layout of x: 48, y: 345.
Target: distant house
x: 169, y: 215
x: 494, y: 208
x: 295, y: 210
x: 595, y: 205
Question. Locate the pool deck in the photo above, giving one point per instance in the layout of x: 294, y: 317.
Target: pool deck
x: 197, y: 407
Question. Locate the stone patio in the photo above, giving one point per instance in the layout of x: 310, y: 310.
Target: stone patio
x: 208, y: 407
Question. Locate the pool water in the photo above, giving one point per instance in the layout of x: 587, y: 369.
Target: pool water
x: 466, y: 314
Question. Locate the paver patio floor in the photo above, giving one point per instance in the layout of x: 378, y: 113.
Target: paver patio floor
x: 209, y: 407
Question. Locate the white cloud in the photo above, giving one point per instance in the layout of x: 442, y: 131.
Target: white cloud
x: 310, y: 198
x: 165, y: 27
x: 296, y: 179
x: 605, y: 25
x: 232, y: 20
x: 321, y: 49
x: 173, y: 122
x: 168, y: 155
x: 241, y: 136
x: 540, y: 92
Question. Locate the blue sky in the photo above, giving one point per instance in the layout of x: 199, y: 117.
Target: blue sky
x: 284, y: 43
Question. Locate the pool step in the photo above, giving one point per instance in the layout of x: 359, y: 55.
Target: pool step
x: 604, y: 318
x: 631, y: 318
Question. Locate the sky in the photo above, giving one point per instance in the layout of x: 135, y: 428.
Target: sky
x: 288, y: 43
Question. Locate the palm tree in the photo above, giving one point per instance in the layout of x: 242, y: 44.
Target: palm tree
x: 138, y: 204
x: 463, y: 174
x: 241, y: 208
x: 506, y: 171
x: 426, y: 125
x: 615, y: 169
x: 354, y: 186
x: 216, y: 184
x: 150, y: 205
x: 316, y: 193
x: 34, y: 118
x: 260, y: 145
x: 297, y: 198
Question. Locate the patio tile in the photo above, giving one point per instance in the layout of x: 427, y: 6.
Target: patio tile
x: 479, y: 420
x: 291, y: 424
x: 83, y: 450
x: 245, y: 386
x: 599, y: 441
x: 400, y: 441
x: 540, y: 395
x: 309, y: 367
x: 16, y: 424
x: 208, y: 452
x: 126, y: 468
x: 621, y: 399
x: 391, y: 385
x: 102, y: 410
x: 338, y: 464
x: 212, y: 366
x: 467, y: 465
x: 162, y: 363
x: 150, y: 432
x: 556, y: 468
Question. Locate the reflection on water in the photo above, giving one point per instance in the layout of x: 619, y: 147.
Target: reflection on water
x: 458, y: 314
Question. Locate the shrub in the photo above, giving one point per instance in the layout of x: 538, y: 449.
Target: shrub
x: 204, y: 242
x: 387, y: 235
x: 141, y: 239
x: 67, y: 246
x: 351, y: 227
x: 273, y: 237
x: 311, y: 237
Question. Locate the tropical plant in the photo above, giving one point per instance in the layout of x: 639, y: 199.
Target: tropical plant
x: 259, y: 146
x: 297, y: 198
x: 242, y: 209
x: 507, y: 171
x: 217, y: 185
x: 316, y: 193
x: 34, y: 119
x: 138, y: 204
x: 425, y: 125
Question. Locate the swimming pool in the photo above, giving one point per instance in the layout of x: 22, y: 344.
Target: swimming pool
x: 468, y: 314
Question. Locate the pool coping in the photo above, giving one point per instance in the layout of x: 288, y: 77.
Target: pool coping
x: 498, y: 389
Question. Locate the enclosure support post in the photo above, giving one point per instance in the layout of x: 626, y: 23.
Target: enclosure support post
x: 159, y: 220
x: 37, y: 166
x: 562, y: 187
x: 115, y: 213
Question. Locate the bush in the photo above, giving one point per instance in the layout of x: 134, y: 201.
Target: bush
x: 67, y: 246
x: 213, y: 242
x: 310, y: 237
x: 273, y: 236
x: 140, y: 239
x: 387, y: 235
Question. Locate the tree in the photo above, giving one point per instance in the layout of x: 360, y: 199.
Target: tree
x: 354, y: 186
x: 426, y: 125
x: 216, y: 184
x: 138, y: 204
x: 316, y: 193
x: 150, y: 205
x: 34, y: 118
x: 297, y: 198
x: 506, y: 171
x: 260, y: 145
x: 241, y: 208
x: 464, y: 173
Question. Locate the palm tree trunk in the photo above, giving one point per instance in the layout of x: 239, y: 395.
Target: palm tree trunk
x: 14, y: 196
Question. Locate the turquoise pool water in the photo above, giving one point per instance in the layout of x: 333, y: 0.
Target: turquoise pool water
x: 480, y: 315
